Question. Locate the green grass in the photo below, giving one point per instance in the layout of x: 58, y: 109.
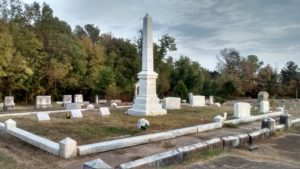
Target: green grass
x: 230, y: 125
x: 7, y: 162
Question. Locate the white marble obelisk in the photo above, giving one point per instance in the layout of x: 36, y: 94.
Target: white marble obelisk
x: 146, y: 102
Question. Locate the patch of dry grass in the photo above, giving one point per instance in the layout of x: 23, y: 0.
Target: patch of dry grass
x: 94, y: 128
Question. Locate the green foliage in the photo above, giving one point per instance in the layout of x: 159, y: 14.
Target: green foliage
x: 180, y: 90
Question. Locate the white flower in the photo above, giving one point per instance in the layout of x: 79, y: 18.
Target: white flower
x: 142, y: 124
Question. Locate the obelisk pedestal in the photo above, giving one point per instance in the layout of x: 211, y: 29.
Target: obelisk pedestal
x: 146, y: 102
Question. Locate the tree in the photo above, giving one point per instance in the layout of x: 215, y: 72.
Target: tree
x: 180, y: 90
x: 290, y: 75
x: 229, y: 61
x: 93, y: 32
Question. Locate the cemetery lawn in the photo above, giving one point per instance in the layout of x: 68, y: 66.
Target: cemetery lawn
x: 94, y: 128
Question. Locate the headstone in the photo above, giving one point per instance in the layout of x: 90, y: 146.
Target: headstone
x: 76, y: 114
x: 73, y: 106
x: 197, y: 101
x: 97, y: 99
x: 211, y: 100
x: 241, y: 110
x: 219, y: 119
x: 96, y: 164
x: 43, y: 102
x: 9, y: 102
x: 147, y: 103
x: 90, y: 107
x: 41, y: 116
x: 171, y: 103
x: 116, y: 101
x: 225, y: 115
x: 268, y: 123
x: 67, y: 99
x: 263, y: 95
x: 78, y: 98
x: 183, y: 101
x: 102, y: 101
x: 218, y: 104
x: 264, y: 106
x: 104, y: 111
x: 280, y: 109
x: 114, y: 105
x: 190, y: 97
x: 286, y: 119
x: 10, y: 124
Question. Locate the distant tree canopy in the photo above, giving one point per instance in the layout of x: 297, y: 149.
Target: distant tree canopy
x: 41, y: 54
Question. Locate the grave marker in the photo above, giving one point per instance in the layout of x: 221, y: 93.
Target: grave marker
x: 76, y: 114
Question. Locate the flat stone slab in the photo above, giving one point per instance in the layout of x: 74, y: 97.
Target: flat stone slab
x: 76, y: 114
x: 42, y: 116
x: 104, y: 111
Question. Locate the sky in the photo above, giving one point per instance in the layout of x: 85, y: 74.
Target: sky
x: 269, y: 29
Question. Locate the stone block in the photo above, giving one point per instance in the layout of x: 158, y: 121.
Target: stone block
x: 264, y: 106
x: 263, y: 95
x: 43, y: 102
x: 198, y: 147
x: 268, y: 123
x: 116, y: 101
x: 244, y: 140
x: 76, y: 114
x: 78, y: 98
x: 41, y: 116
x: 218, y: 104
x: 171, y: 103
x: 197, y: 101
x: 104, y: 111
x: 280, y: 109
x: 219, y: 119
x: 96, y: 99
x: 73, y: 106
x: 67, y: 148
x: 231, y: 142
x: 96, y: 164
x: 102, y: 101
x: 67, y: 99
x: 259, y: 135
x: 208, y: 126
x: 10, y: 124
x: 184, y: 131
x: 215, y: 144
x: 241, y: 110
x: 286, y: 119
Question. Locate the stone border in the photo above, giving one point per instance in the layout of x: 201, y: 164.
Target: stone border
x: 176, y: 155
x: 143, y: 139
x: 35, y: 112
x: 253, y: 118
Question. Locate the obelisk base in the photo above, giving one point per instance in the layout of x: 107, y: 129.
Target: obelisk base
x: 147, y: 102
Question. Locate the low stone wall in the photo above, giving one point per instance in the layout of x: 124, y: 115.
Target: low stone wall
x: 33, y: 113
x: 132, y: 141
x: 253, y: 118
x: 40, y: 142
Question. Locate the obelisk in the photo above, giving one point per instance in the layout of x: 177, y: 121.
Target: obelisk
x: 146, y: 102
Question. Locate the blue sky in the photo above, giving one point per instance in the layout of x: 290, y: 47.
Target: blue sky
x: 269, y: 29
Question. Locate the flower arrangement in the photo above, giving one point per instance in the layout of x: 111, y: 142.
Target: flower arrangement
x: 142, y: 124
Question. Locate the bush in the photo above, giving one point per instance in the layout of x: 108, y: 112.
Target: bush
x: 180, y: 90
x: 220, y: 99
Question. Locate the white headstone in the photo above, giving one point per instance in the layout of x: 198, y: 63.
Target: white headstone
x: 67, y: 99
x: 9, y: 101
x: 197, y: 101
x: 97, y: 99
x: 218, y: 104
x: 264, y: 106
x: 219, y: 119
x: 78, y: 98
x: 171, y: 103
x: 104, y: 111
x: 280, y: 109
x: 146, y: 102
x: 241, y: 110
x: 114, y: 105
x: 72, y: 106
x: 116, y: 101
x: 76, y: 114
x: 43, y: 102
x: 41, y: 116
x: 211, y: 100
x: 102, y: 101
x: 90, y: 107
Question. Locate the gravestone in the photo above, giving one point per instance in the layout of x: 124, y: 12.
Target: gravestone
x: 171, y: 103
x: 42, y: 116
x: 97, y: 99
x: 76, y: 114
x: 96, y: 164
x: 262, y: 96
x: 241, y: 110
x: 264, y: 106
x: 9, y: 102
x: 116, y: 101
x: 43, y: 102
x: 211, y: 100
x: 190, y: 97
x: 146, y: 102
x: 102, y: 101
x: 90, y: 107
x: 73, y: 106
x: 104, y: 111
x: 78, y: 98
x: 197, y: 101
x: 67, y: 99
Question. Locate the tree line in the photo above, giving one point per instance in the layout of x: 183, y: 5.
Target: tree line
x: 41, y: 55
